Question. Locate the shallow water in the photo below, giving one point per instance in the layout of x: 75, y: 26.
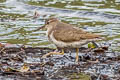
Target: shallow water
x: 98, y: 16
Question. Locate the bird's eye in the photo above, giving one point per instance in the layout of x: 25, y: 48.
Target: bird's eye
x: 47, y: 23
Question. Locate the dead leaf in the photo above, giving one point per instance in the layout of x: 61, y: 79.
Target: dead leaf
x: 105, y: 48
x: 91, y: 45
x: 10, y: 69
x: 24, y: 68
x: 8, y: 45
x: 2, y: 50
x: 94, y: 61
x: 1, y: 45
x: 38, y: 72
x: 99, y: 50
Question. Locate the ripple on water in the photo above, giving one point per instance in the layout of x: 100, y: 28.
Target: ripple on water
x: 16, y: 18
x: 97, y: 16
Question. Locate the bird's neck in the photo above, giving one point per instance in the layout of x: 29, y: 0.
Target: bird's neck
x: 50, y: 29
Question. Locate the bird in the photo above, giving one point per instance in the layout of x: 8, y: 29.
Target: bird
x: 65, y: 35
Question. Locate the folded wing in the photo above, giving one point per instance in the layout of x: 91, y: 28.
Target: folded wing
x: 68, y: 33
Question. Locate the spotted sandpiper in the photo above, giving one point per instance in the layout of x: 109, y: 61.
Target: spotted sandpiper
x: 65, y: 35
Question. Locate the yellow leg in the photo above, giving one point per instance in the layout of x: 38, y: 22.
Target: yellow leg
x: 53, y: 53
x: 77, y: 57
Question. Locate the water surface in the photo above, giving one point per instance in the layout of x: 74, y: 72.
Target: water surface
x: 97, y: 16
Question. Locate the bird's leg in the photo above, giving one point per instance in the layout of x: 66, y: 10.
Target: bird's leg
x: 53, y: 53
x: 77, y: 57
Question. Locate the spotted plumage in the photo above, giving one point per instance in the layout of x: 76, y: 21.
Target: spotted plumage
x: 65, y: 35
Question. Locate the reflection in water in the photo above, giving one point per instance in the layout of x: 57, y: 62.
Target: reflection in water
x: 98, y: 16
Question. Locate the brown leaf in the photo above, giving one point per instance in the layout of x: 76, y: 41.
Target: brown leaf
x: 99, y: 50
x: 24, y: 68
x: 1, y: 45
x: 10, y: 69
x: 105, y: 48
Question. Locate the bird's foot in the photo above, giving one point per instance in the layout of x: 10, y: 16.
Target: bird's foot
x: 46, y: 55
x: 52, y: 53
x: 77, y: 57
x: 76, y: 60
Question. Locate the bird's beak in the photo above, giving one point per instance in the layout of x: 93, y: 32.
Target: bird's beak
x: 42, y: 27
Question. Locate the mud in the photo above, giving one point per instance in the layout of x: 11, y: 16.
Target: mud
x: 100, y: 65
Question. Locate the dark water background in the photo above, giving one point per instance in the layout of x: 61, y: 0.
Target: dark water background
x: 98, y: 16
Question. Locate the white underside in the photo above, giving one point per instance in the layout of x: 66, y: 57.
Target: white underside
x: 61, y: 44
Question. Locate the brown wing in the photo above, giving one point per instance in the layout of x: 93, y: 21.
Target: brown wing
x: 67, y: 33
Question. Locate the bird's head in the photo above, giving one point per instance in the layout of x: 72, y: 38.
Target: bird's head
x: 50, y: 22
